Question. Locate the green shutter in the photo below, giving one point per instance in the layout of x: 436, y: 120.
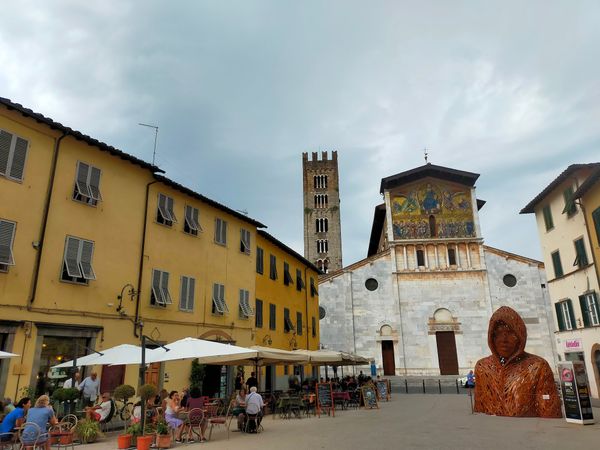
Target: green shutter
x: 582, y: 259
x: 570, y: 207
x: 559, y: 317
x: 572, y: 314
x: 558, y: 270
x: 584, y: 311
x: 596, y: 219
x: 548, y: 217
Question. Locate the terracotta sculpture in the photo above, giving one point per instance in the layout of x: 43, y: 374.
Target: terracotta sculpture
x: 511, y: 382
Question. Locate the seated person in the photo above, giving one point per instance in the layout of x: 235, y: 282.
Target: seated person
x: 254, y: 405
x: 14, y: 419
x: 42, y: 415
x: 239, y: 408
x: 100, y: 412
x: 150, y: 411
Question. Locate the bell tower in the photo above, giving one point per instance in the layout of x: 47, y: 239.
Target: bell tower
x: 322, y: 225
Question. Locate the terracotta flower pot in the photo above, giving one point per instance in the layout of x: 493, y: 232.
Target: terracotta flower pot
x: 66, y: 439
x: 163, y: 440
x: 124, y: 441
x: 143, y: 442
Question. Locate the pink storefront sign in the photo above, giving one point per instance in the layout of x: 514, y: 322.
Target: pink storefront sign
x: 573, y: 344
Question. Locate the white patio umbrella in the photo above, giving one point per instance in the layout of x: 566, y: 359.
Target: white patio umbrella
x: 208, y: 352
x: 7, y: 355
x: 121, y: 354
x: 317, y: 357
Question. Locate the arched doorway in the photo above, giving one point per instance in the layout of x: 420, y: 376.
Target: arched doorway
x: 387, y: 350
x: 446, y: 342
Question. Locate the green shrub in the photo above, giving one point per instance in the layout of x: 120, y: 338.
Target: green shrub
x: 124, y: 392
x: 88, y: 430
x: 147, y: 391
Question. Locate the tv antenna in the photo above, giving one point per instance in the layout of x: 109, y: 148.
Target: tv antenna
x: 425, y: 154
x: 155, y: 138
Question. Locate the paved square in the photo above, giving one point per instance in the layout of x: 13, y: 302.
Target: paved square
x: 408, y: 421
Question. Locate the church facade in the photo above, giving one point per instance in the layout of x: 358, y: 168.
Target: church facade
x: 420, y: 303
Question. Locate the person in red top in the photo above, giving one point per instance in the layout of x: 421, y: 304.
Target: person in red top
x: 511, y: 382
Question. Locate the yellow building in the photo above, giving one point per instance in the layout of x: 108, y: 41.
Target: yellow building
x: 287, y: 306
x: 98, y: 248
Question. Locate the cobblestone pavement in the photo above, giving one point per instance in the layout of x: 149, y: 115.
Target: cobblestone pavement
x: 407, y: 422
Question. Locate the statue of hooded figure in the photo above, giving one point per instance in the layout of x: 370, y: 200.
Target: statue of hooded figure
x: 511, y: 382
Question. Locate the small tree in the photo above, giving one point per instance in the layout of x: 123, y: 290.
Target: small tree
x: 123, y: 393
x: 197, y: 375
x: 145, y: 392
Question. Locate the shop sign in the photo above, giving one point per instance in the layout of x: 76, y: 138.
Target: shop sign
x: 573, y: 345
x: 575, y: 392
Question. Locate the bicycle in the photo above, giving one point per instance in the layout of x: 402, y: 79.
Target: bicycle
x: 124, y: 410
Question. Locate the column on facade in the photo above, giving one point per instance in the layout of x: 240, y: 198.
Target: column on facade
x: 405, y: 257
x: 426, y: 256
x: 468, y: 251
x: 457, y: 250
x: 447, y: 256
x: 437, y: 259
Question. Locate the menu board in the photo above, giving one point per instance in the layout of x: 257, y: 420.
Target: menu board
x: 575, y: 392
x: 325, y: 398
x: 369, y: 397
x: 383, y: 392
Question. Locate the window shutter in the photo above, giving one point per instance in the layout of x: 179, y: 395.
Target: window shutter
x: 7, y: 232
x: 584, y: 311
x: 5, y: 141
x: 72, y: 257
x: 170, y: 209
x: 581, y: 254
x: 571, y: 314
x: 17, y: 165
x: 559, y: 317
x: 162, y: 207
x: 190, y: 296
x: 82, y: 177
x: 85, y: 262
x: 596, y: 307
x: 558, y: 270
x: 196, y: 217
x: 299, y: 323
x: 224, y: 232
x: 164, y: 287
x: 596, y: 219
x: 259, y: 314
x: 183, y: 295
x: 156, y: 287
x: 94, y: 184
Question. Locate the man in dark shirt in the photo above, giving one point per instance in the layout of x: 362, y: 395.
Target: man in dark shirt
x: 252, y: 381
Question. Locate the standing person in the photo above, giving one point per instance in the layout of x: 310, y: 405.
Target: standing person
x: 239, y: 382
x: 90, y: 387
x: 41, y: 386
x: 254, y: 405
x: 171, y: 411
x: 69, y: 381
x: 42, y: 415
x: 470, y: 383
x: 252, y: 381
x: 12, y: 419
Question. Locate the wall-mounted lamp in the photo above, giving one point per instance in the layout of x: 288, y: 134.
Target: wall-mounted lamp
x: 267, y: 340
x: 293, y: 343
x: 132, y: 293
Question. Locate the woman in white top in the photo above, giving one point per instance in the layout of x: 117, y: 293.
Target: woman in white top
x: 171, y: 414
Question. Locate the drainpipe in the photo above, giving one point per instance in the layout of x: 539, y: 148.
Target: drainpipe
x: 141, y: 272
x: 40, y: 244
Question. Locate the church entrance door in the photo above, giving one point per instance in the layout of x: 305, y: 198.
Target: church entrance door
x: 387, y: 351
x: 446, y: 347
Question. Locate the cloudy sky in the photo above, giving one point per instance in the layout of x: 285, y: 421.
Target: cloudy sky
x: 239, y: 89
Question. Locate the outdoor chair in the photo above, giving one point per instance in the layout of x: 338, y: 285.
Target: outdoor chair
x: 354, y: 401
x: 31, y: 436
x: 104, y: 423
x: 253, y: 423
x: 62, y: 434
x: 8, y: 441
x: 194, y: 424
x: 221, y: 420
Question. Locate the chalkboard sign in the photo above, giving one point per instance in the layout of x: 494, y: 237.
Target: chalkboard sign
x: 369, y: 397
x: 325, y: 398
x: 383, y: 392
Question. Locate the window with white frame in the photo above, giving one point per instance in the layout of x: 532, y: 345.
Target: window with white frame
x: 219, y: 305
x: 77, y: 261
x: 322, y: 246
x: 87, y: 184
x: 245, y: 308
x: 13, y: 153
x: 186, y: 294
x: 220, y: 231
x: 245, y: 241
x: 165, y: 213
x: 322, y: 225
x: 160, y: 289
x: 192, y: 221
x: 7, y: 237
x: 565, y: 315
x: 321, y: 201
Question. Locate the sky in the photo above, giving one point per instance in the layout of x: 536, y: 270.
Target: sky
x: 239, y: 89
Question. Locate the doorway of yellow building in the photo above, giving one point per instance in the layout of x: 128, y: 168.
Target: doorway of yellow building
x: 152, y: 374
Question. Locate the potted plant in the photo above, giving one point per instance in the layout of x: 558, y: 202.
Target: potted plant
x: 163, y: 434
x: 123, y: 393
x: 88, y: 431
x: 133, y: 431
x: 145, y: 392
x: 71, y: 395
